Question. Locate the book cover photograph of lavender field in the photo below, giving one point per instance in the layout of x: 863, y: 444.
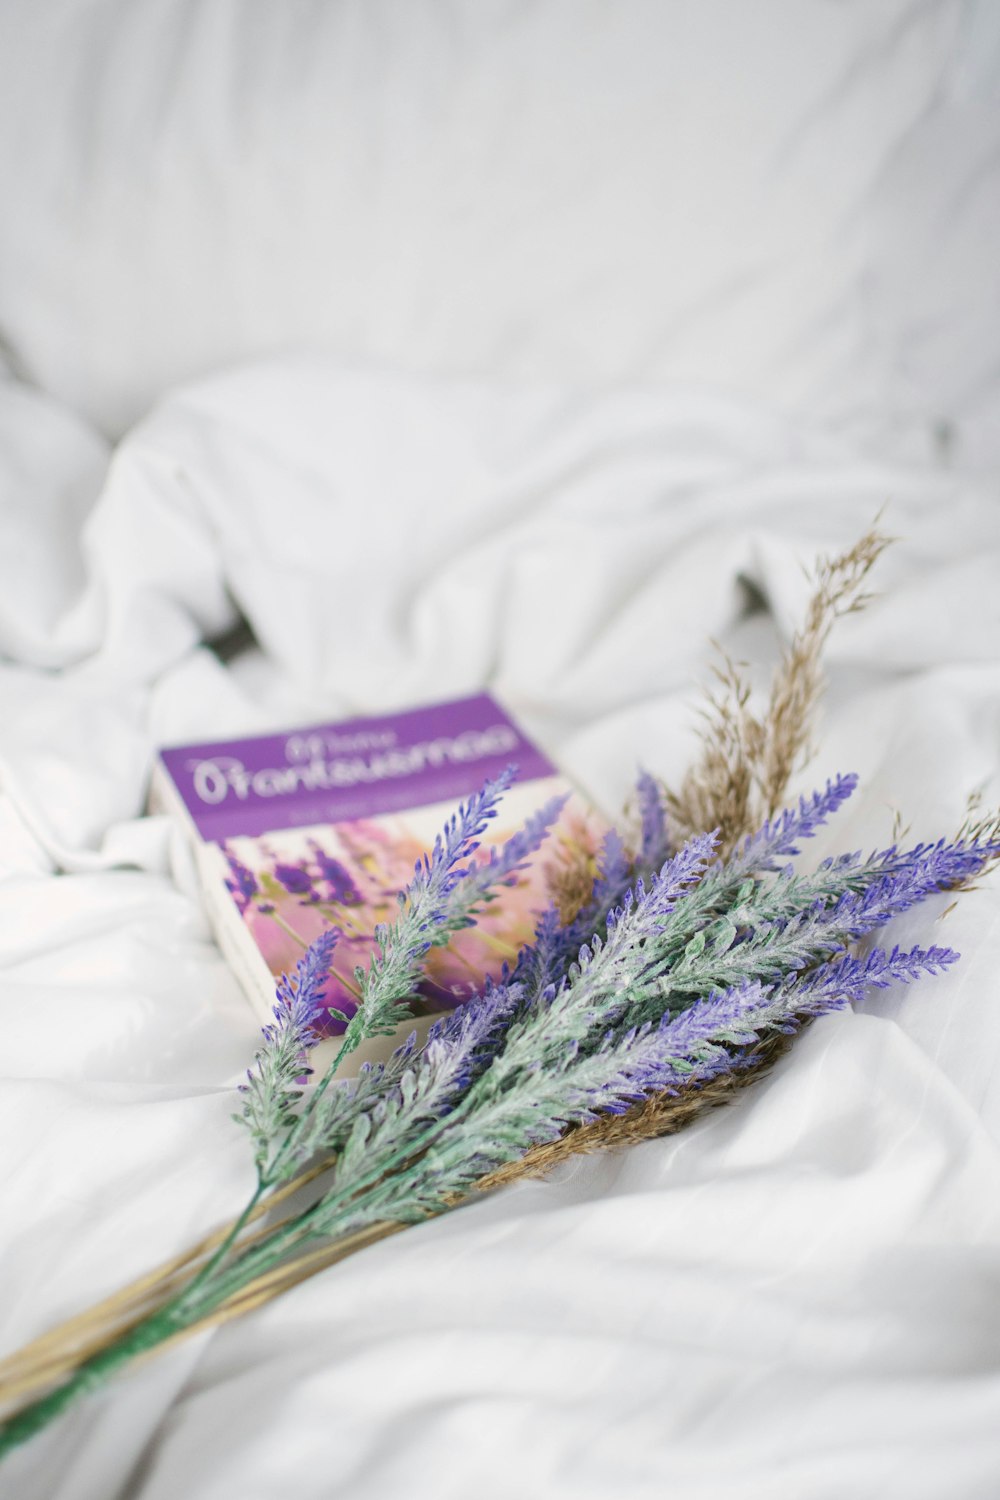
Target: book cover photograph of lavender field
x: 292, y: 885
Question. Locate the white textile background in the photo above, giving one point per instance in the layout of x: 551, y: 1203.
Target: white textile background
x: 795, y: 197
x: 796, y: 1298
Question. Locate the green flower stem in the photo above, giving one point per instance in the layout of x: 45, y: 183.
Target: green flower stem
x: 352, y: 1039
x: 204, y: 1273
x: 226, y: 1274
x: 210, y: 1287
x: 92, y: 1374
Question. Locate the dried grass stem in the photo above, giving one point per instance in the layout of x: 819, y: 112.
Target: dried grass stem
x: 746, y: 762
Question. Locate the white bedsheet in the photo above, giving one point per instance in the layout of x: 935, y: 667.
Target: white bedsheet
x: 796, y: 1298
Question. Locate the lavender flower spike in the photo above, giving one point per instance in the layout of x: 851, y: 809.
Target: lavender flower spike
x: 504, y: 864
x: 546, y: 961
x: 467, y: 1039
x: 426, y: 907
x: 242, y: 883
x: 272, y: 1088
x: 942, y: 865
x: 780, y: 836
x: 892, y: 883
x: 653, y: 848
x: 602, y: 983
x: 494, y: 1044
x: 843, y: 981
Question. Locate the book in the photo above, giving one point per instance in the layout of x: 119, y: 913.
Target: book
x: 322, y: 826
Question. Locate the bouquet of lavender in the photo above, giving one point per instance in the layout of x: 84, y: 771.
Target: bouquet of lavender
x: 677, y: 977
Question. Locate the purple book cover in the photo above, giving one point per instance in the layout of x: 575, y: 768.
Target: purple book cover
x: 323, y: 825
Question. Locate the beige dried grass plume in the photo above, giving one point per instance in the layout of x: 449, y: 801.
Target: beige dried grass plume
x: 741, y: 776
x: 571, y: 868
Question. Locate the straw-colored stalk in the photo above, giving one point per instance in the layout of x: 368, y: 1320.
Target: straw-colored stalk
x: 979, y: 825
x: 571, y: 868
x: 741, y: 776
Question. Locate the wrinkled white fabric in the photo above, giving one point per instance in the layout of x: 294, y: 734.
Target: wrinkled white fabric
x: 793, y: 197
x: 798, y: 1296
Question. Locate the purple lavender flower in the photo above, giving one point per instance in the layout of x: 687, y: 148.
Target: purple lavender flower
x: 697, y: 1044
x: 781, y: 835
x: 718, y: 1017
x: 541, y: 963
x: 615, y: 871
x: 464, y: 1043
x: 601, y: 984
x: 692, y: 1045
x: 930, y: 867
x: 546, y: 961
x: 242, y: 883
x: 844, y: 980
x: 272, y: 1086
x: 710, y: 1038
x: 340, y: 887
x: 299, y: 996
x: 294, y: 878
x: 507, y: 862
x: 459, y: 1049
x: 502, y: 1118
x: 426, y: 916
x: 892, y: 882
x: 654, y: 845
